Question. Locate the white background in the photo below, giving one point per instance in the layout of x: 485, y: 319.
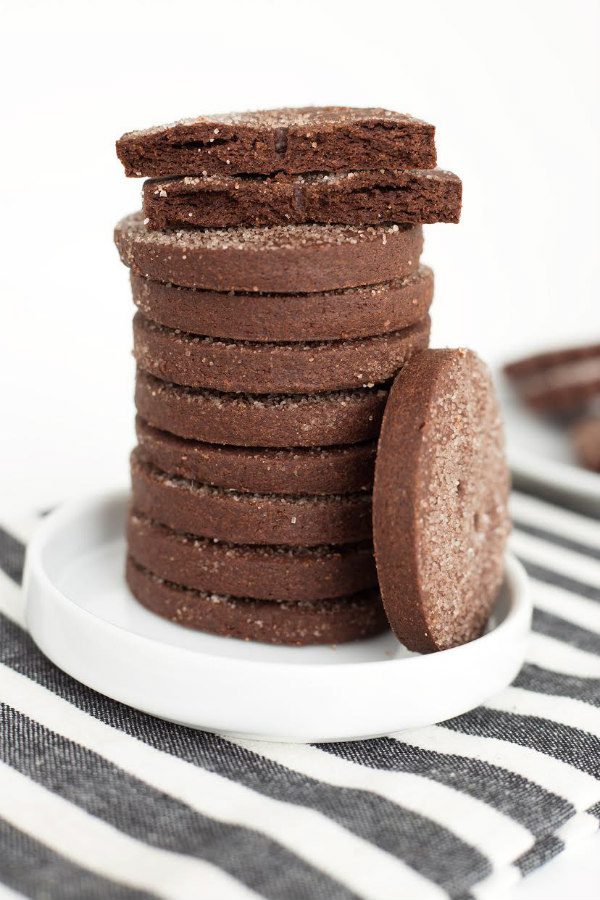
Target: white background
x: 512, y: 87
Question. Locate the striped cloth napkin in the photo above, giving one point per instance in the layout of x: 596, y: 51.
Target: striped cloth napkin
x: 100, y: 801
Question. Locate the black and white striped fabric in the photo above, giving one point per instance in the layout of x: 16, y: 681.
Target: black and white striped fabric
x: 100, y: 801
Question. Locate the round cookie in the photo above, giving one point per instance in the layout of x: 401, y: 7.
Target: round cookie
x: 263, y: 573
x: 332, y: 315
x: 440, y: 517
x: 305, y: 622
x: 279, y: 259
x: 306, y: 139
x: 585, y: 438
x: 559, y: 381
x: 259, y: 368
x: 318, y: 470
x: 277, y: 420
x: 240, y: 518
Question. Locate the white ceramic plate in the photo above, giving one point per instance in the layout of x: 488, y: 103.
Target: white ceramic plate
x: 540, y: 456
x: 82, y: 616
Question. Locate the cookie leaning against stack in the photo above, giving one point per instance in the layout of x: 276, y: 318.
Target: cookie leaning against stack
x: 279, y: 291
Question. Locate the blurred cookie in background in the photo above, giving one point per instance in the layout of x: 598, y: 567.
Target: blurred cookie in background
x: 585, y: 438
x: 558, y: 381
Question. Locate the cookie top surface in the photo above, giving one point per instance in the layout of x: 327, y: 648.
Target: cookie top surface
x: 366, y: 178
x: 132, y: 229
x: 288, y: 117
x: 440, y: 503
x: 361, y: 178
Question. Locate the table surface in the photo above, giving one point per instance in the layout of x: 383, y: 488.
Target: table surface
x: 575, y: 875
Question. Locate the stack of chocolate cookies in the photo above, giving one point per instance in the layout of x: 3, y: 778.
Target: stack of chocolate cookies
x: 276, y: 271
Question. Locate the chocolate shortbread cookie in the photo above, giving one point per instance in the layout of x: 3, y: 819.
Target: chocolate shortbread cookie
x: 318, y: 470
x: 243, y: 518
x: 276, y: 420
x: 263, y: 573
x: 334, y: 621
x: 585, y: 437
x: 333, y: 315
x: 261, y: 368
x: 440, y: 517
x: 559, y: 381
x: 308, y: 139
x: 280, y: 259
x: 414, y: 197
